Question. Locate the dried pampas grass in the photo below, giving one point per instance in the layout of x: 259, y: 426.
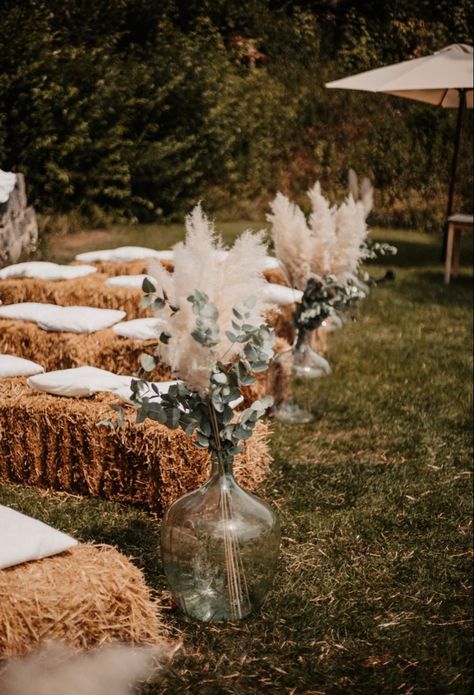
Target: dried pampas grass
x: 331, y: 242
x: 56, y: 669
x: 227, y: 283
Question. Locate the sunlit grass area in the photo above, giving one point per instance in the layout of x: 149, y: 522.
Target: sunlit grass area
x: 373, y: 593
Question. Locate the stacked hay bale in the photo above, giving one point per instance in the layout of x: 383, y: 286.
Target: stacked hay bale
x: 106, y: 350
x: 85, y: 597
x: 56, y: 442
x: 88, y: 291
x: 54, y: 350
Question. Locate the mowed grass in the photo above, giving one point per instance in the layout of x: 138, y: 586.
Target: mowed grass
x: 373, y: 592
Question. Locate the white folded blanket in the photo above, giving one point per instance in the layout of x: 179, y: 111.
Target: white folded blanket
x: 140, y: 329
x: 279, y: 294
x: 24, y: 539
x: 125, y: 254
x: 40, y: 270
x: 11, y: 366
x: 69, y: 319
x: 133, y: 281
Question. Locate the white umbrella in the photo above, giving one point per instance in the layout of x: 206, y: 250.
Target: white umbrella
x: 444, y: 79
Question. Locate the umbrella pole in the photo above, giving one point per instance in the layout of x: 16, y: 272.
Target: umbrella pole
x: 452, y: 183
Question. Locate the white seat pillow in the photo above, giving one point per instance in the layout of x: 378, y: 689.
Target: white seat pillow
x: 271, y: 263
x: 133, y: 281
x: 80, y: 319
x: 23, y: 539
x: 41, y: 270
x: 279, y: 294
x: 140, y: 329
x: 28, y: 311
x: 68, y: 319
x: 11, y: 366
x: 79, y: 382
x: 125, y: 254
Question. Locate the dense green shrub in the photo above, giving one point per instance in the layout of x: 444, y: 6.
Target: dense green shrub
x: 133, y: 109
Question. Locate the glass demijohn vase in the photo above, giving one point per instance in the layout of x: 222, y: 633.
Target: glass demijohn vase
x: 308, y: 363
x: 219, y: 547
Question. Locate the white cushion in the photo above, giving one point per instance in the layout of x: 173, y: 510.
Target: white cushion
x: 140, y: 329
x: 70, y: 319
x: 78, y: 382
x: 27, y: 311
x: 41, y: 270
x: 271, y: 263
x: 10, y: 366
x: 125, y: 254
x: 279, y: 294
x: 134, y: 281
x: 24, y: 539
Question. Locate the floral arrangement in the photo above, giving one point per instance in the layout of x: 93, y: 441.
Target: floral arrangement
x: 322, y: 255
x: 214, y: 340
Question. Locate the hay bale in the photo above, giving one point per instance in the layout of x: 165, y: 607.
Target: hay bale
x: 102, y: 349
x: 88, y: 291
x: 139, y: 267
x: 55, y: 350
x: 57, y: 443
x: 85, y: 597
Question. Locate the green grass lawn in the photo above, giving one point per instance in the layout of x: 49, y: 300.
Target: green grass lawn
x: 373, y: 592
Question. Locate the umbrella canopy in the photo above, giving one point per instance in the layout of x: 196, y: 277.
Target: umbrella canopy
x: 435, y: 79
x: 444, y: 79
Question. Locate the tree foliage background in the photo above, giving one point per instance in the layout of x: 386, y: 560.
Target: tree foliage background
x: 134, y: 109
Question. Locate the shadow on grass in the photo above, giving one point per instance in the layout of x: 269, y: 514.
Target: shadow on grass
x: 427, y: 287
x: 419, y: 251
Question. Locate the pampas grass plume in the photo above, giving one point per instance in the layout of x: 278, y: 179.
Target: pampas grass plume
x: 57, y: 670
x: 227, y: 279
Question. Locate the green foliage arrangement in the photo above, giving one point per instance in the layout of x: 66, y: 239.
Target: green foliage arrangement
x: 131, y: 110
x: 209, y: 415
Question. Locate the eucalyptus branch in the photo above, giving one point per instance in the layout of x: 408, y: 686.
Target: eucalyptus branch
x: 210, y: 417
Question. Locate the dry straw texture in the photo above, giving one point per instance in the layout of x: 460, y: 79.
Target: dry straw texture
x: 54, y: 350
x: 102, y: 349
x: 54, y: 442
x: 85, y: 597
x: 87, y: 291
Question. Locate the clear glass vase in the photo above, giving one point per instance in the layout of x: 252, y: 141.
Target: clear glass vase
x: 286, y: 409
x: 307, y: 363
x: 220, y: 548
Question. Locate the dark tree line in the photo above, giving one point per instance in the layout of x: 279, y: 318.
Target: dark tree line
x: 133, y: 109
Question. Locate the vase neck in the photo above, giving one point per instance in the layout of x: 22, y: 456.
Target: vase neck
x: 221, y: 465
x: 302, y: 338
